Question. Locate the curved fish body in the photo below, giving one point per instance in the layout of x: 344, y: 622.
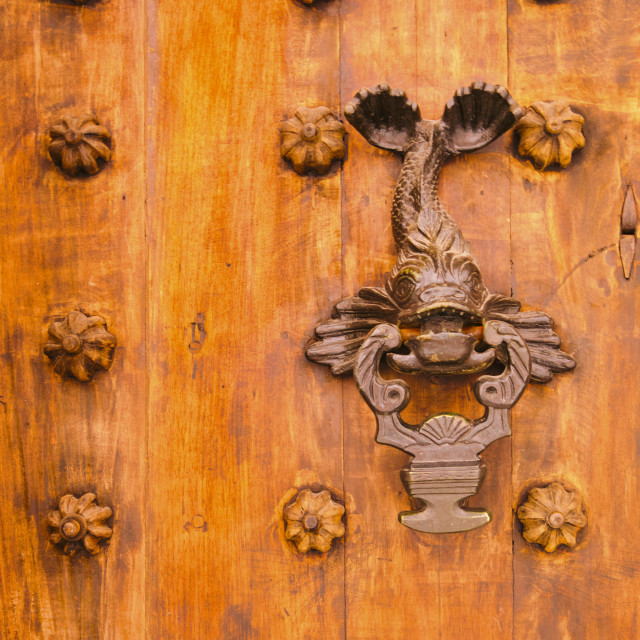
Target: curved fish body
x: 435, y: 269
x: 436, y: 284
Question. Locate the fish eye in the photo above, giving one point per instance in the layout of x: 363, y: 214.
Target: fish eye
x: 472, y: 281
x: 404, y: 286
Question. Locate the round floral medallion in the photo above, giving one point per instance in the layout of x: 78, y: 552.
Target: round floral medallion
x: 79, y: 346
x: 79, y: 523
x: 79, y: 145
x: 549, y: 133
x: 312, y: 140
x: 551, y: 516
x: 313, y: 520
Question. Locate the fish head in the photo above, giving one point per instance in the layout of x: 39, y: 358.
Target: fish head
x: 442, y: 294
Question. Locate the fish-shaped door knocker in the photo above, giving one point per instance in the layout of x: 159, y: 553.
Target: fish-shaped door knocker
x: 436, y: 287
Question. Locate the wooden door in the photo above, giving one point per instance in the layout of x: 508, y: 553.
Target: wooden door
x: 212, y: 261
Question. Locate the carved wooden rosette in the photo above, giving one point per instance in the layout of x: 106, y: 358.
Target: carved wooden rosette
x: 79, y: 145
x: 552, y: 516
x: 79, y: 522
x: 437, y: 288
x: 313, y: 520
x: 549, y: 133
x: 312, y: 140
x: 79, y: 346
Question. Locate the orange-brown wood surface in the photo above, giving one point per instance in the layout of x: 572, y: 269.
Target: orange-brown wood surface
x: 461, y: 584
x: 212, y: 261
x: 583, y: 428
x: 239, y: 237
x: 70, y: 244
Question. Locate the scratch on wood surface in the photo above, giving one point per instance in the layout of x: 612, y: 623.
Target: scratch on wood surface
x: 584, y: 260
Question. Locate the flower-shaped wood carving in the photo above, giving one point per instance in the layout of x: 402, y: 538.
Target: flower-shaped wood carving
x: 552, y: 516
x: 312, y: 140
x: 79, y: 522
x: 80, y: 346
x: 79, y: 144
x: 549, y: 133
x: 313, y: 521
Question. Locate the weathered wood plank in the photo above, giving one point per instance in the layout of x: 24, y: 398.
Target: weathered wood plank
x: 401, y: 583
x: 71, y: 244
x: 377, y: 45
x: 245, y: 257
x: 581, y: 428
x: 467, y: 42
x: 241, y: 418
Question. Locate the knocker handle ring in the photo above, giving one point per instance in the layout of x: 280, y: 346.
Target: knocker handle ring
x: 445, y: 468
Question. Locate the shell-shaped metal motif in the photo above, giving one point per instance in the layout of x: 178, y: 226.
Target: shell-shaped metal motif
x: 478, y: 114
x: 446, y: 428
x: 384, y: 116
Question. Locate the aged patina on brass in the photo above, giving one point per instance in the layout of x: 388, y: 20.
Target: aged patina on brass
x: 436, y: 286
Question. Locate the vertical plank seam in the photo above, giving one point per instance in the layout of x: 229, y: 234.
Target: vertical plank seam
x: 416, y: 80
x: 417, y: 85
x: 148, y: 145
x: 342, y: 382
x: 511, y: 287
x: 439, y: 541
x: 34, y: 549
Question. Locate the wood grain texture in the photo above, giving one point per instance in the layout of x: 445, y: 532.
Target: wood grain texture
x: 581, y: 428
x: 66, y: 244
x: 376, y: 45
x: 238, y: 237
x: 212, y: 261
x: 451, y: 585
x: 474, y: 573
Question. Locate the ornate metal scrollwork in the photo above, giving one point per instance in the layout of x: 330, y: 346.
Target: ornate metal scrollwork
x: 436, y: 287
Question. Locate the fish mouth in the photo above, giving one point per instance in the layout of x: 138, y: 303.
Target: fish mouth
x: 439, y: 309
x: 442, y: 346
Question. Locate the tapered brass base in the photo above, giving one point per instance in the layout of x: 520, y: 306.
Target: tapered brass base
x: 441, y: 487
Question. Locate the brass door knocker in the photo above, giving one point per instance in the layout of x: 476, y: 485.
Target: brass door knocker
x: 436, y: 287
